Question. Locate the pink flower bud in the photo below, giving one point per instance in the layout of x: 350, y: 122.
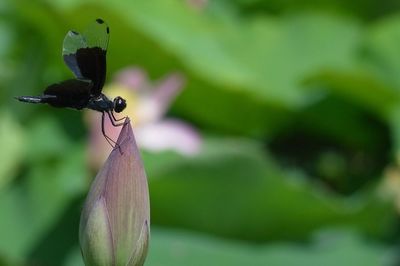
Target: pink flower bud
x: 115, y: 221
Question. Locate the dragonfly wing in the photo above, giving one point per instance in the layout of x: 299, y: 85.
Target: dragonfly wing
x: 85, y: 54
x: 73, y: 93
x: 72, y: 42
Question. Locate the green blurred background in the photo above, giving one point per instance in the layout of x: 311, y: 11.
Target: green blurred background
x: 297, y: 104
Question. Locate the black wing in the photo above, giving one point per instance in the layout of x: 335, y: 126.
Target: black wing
x: 85, y: 54
x: 72, y: 93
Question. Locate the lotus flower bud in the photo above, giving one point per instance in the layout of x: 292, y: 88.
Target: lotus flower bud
x: 114, y: 227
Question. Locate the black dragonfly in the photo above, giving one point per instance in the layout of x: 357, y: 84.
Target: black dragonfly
x: 85, y: 55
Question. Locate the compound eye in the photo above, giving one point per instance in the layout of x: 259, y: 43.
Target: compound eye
x: 119, y: 104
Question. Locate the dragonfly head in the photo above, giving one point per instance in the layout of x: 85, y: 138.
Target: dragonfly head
x: 119, y: 104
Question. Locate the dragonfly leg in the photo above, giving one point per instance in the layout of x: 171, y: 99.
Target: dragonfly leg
x: 114, y: 121
x: 109, y: 140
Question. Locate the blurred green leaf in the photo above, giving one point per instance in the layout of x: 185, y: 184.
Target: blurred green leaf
x: 12, y: 142
x: 232, y: 188
x: 346, y: 145
x: 257, y: 56
x: 361, y: 87
x: 383, y: 50
x: 336, y: 248
x: 331, y: 248
x: 46, y: 136
x: 7, y: 43
x: 366, y: 9
x: 259, y: 60
x: 6, y: 39
x: 32, y: 206
x: 394, y: 120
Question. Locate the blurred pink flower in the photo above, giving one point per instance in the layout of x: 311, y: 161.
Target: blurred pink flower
x: 197, y: 4
x: 147, y: 104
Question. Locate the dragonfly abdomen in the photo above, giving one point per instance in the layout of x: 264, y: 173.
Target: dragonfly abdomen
x: 35, y: 99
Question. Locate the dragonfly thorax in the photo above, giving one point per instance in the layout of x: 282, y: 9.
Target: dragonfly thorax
x: 101, y: 103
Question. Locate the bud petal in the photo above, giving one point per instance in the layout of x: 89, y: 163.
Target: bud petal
x: 97, y: 244
x: 114, y: 227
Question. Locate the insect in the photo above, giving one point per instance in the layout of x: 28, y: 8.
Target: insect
x: 85, y: 55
